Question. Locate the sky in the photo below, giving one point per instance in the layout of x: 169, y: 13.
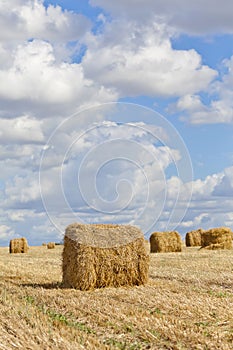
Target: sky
x: 115, y: 112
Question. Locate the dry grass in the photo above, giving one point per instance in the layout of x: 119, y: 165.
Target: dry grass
x: 106, y: 264
x: 187, y: 304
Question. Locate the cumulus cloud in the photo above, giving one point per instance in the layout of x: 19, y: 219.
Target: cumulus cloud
x: 36, y: 76
x: 139, y: 59
x: 23, y: 20
x: 195, y: 111
x: 224, y: 187
x: 196, y: 17
x: 35, y: 226
x: 211, y: 204
x: 211, y: 196
x: 19, y: 159
x: 110, y: 171
x: 6, y: 232
x: 22, y: 192
x: 21, y: 130
x: 218, y: 110
x: 36, y: 61
x: 212, y: 201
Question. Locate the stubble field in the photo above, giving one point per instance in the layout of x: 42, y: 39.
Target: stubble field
x: 187, y: 304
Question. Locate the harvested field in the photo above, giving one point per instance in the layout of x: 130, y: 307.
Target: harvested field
x: 187, y: 304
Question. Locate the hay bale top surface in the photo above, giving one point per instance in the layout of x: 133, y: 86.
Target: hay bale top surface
x: 165, y: 234
x: 103, y: 235
x: 218, y: 231
x: 199, y: 230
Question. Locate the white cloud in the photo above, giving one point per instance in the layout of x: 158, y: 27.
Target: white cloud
x: 212, y: 201
x: 220, y: 108
x: 224, y: 187
x: 21, y: 130
x: 5, y: 56
x: 23, y: 20
x: 114, y: 169
x: 36, y: 61
x: 14, y: 152
x: 211, y: 204
x: 196, y: 112
x: 196, y: 17
x: 6, y: 232
x: 138, y: 59
x: 28, y: 223
x: 189, y: 102
x: 36, y: 76
x: 22, y: 215
x: 21, y: 191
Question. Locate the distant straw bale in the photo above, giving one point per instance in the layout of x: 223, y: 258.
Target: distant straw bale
x: 193, y: 238
x: 165, y: 242
x: 51, y: 245
x: 44, y: 244
x: 217, y: 238
x: 97, y: 256
x: 18, y: 245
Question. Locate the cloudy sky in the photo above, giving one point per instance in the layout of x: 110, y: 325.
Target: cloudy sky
x: 115, y: 111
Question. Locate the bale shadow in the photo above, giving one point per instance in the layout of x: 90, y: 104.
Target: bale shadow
x: 54, y: 285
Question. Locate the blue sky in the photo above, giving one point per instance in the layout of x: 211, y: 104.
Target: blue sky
x: 77, y: 6
x: 115, y: 162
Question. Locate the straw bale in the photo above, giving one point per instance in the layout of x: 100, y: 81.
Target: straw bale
x: 51, y: 245
x: 18, y: 245
x: 217, y: 238
x: 193, y: 238
x: 165, y: 242
x: 97, y: 256
x: 44, y: 244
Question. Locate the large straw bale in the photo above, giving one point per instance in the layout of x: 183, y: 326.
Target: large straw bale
x: 96, y: 256
x: 217, y: 238
x: 193, y: 238
x: 165, y: 242
x: 18, y: 245
x: 51, y: 245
